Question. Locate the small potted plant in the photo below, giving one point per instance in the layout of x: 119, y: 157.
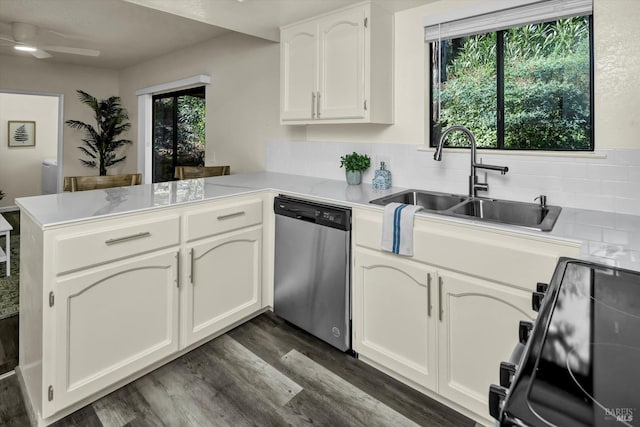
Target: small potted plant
x: 355, y: 164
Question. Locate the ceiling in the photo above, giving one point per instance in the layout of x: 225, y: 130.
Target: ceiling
x: 260, y: 18
x: 127, y: 32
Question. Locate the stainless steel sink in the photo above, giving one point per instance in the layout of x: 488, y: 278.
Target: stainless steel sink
x: 521, y: 214
x: 529, y: 215
x: 429, y: 200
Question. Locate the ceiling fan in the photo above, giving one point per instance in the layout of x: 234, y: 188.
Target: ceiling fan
x: 24, y: 37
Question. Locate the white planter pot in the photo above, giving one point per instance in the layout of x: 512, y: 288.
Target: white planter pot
x: 354, y: 177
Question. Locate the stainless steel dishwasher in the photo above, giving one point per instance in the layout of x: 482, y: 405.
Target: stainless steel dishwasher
x: 312, y: 287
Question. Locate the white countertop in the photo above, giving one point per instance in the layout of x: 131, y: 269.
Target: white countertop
x: 605, y: 237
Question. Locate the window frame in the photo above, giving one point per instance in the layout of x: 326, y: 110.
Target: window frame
x: 500, y: 97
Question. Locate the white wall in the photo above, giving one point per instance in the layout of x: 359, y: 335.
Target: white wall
x: 617, y: 67
x: 34, y: 75
x: 20, y: 167
x: 242, y: 107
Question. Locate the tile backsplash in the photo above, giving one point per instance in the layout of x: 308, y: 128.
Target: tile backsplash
x: 607, y: 181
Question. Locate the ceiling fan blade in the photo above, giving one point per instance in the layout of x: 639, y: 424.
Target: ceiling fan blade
x: 41, y: 54
x: 6, y: 38
x: 73, y: 50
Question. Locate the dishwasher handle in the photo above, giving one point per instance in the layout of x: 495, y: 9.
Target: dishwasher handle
x: 295, y: 213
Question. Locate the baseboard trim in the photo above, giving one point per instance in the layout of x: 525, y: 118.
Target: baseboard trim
x: 7, y: 375
x: 28, y: 405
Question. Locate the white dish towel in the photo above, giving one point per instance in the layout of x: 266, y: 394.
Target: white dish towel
x: 397, y: 228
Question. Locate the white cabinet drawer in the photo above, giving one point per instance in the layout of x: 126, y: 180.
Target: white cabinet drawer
x: 222, y: 218
x: 89, y: 245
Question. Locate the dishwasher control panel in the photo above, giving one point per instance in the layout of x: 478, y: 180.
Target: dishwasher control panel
x: 306, y: 210
x: 329, y: 217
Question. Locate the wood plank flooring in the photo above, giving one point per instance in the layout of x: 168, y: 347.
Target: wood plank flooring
x: 262, y: 373
x: 8, y: 343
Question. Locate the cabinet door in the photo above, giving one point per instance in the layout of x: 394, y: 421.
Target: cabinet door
x: 112, y: 321
x: 478, y: 330
x: 393, y: 320
x: 298, y: 75
x: 225, y: 276
x: 342, y: 66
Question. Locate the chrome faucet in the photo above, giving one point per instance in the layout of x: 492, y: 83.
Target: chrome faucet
x: 474, y: 185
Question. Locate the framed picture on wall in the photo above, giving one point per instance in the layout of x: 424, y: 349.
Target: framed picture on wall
x: 22, y: 133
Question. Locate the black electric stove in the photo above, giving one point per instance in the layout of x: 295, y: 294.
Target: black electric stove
x: 580, y: 365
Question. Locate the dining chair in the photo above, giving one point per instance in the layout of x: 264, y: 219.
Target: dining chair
x: 189, y: 172
x: 81, y: 183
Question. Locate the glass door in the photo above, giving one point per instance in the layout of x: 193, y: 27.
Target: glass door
x: 178, y: 131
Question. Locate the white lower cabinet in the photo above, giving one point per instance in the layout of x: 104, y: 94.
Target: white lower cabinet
x: 444, y: 331
x: 225, y: 277
x: 394, y: 324
x: 106, y: 300
x: 110, y: 322
x: 444, y: 319
x: 477, y: 331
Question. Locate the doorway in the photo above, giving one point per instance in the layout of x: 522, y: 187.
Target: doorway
x: 30, y: 137
x: 178, y: 131
x: 21, y: 165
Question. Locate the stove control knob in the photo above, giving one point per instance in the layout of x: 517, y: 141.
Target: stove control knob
x: 524, y: 330
x: 507, y: 371
x: 536, y: 301
x: 542, y: 287
x: 497, y: 395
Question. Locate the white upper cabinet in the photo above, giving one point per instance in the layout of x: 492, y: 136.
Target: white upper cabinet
x: 298, y: 72
x: 338, y: 68
x: 341, y: 78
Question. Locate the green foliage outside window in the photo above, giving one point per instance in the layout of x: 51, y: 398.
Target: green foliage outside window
x: 190, y: 128
x: 547, y: 87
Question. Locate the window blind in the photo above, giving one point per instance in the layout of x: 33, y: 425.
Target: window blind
x: 448, y: 27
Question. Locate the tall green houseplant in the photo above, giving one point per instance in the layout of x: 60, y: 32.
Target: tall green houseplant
x: 101, y: 144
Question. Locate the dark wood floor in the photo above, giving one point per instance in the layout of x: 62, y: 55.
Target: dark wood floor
x: 8, y: 343
x: 263, y: 373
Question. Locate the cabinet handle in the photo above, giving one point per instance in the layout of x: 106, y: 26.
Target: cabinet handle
x: 231, y: 215
x: 429, y: 294
x: 313, y: 105
x: 192, y: 265
x: 318, y: 105
x: 178, y: 269
x: 440, y: 298
x: 127, y: 238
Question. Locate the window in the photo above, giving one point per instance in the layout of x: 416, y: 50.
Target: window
x: 178, y: 131
x: 525, y: 87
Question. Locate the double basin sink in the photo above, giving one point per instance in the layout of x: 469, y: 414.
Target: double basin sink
x: 529, y: 215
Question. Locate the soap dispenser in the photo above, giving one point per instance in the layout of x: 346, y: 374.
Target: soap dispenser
x: 382, y: 178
